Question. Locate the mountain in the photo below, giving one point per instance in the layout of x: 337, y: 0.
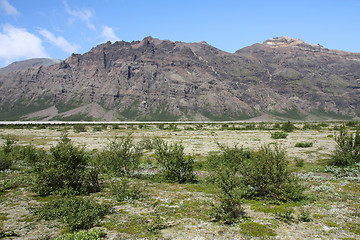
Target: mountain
x: 34, y: 62
x: 152, y: 79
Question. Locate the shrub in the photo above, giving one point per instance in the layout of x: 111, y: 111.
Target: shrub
x: 312, y: 126
x: 225, y: 174
x: 285, y: 216
x: 120, y: 156
x: 8, y: 184
x: 79, y: 128
x: 240, y: 173
x: 174, y: 165
x: 96, y: 234
x: 278, y: 135
x: 124, y: 191
x: 77, y: 212
x: 299, y: 162
x: 267, y: 174
x: 347, y: 151
x: 30, y: 155
x: 304, y: 216
x: 304, y: 144
x: 276, y: 126
x: 7, y: 154
x: 352, y: 123
x: 288, y: 126
x: 65, y: 169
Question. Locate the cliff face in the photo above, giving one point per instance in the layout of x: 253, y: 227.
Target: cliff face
x: 163, y: 80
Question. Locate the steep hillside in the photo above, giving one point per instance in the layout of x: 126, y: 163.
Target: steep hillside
x: 282, y: 78
x: 34, y: 62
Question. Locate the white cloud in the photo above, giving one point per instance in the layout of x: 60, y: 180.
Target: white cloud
x: 59, y: 41
x: 18, y: 43
x: 84, y: 15
x: 9, y: 9
x: 109, y: 35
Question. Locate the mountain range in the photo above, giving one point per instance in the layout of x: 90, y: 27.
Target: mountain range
x: 160, y: 80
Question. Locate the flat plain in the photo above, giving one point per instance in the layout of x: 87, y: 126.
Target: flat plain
x: 181, y: 211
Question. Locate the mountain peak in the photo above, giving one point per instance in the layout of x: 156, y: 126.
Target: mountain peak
x: 283, y: 41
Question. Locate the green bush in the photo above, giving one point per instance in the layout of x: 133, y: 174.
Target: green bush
x: 7, y: 154
x: 304, y: 144
x: 240, y: 173
x: 304, y: 216
x: 79, y: 128
x: 65, y: 169
x: 121, y: 156
x: 125, y: 191
x: 285, y: 216
x: 96, y: 234
x: 276, y: 126
x: 299, y: 162
x: 174, y: 165
x: 8, y: 234
x: 12, y: 183
x: 267, y: 174
x: 225, y: 174
x: 278, y: 135
x: 312, y: 126
x: 76, y: 212
x: 347, y: 152
x: 288, y: 126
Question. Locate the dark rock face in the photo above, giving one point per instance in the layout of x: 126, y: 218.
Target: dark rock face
x: 163, y: 80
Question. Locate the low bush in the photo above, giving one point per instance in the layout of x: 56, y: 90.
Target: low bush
x: 304, y: 216
x: 285, y: 216
x: 96, y: 234
x: 299, y: 162
x: 288, y: 126
x: 225, y: 174
x: 347, y: 152
x: 120, y: 157
x: 76, y: 212
x: 240, y: 173
x: 266, y: 174
x: 304, y: 144
x: 175, y: 166
x: 9, y: 184
x: 65, y: 169
x: 312, y: 126
x: 278, y: 135
x: 7, y: 154
x: 123, y: 190
x: 79, y: 128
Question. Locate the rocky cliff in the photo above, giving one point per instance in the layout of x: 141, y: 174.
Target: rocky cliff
x: 152, y: 79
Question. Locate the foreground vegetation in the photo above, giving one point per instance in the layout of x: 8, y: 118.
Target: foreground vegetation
x: 150, y: 187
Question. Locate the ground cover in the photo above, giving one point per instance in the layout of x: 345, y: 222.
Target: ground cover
x: 149, y: 207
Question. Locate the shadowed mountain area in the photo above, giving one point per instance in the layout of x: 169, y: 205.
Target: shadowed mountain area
x: 161, y: 80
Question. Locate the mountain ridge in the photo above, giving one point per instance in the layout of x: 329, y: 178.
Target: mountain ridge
x: 152, y: 79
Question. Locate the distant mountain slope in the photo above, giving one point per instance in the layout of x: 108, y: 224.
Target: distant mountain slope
x: 34, y: 62
x: 152, y: 79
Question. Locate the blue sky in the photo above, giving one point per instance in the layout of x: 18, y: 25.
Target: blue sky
x: 57, y: 28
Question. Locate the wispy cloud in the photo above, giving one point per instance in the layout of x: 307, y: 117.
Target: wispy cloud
x: 18, y: 43
x: 84, y: 15
x: 9, y: 9
x: 109, y: 35
x: 59, y: 41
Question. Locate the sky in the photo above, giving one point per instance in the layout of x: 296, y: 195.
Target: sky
x: 58, y: 28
